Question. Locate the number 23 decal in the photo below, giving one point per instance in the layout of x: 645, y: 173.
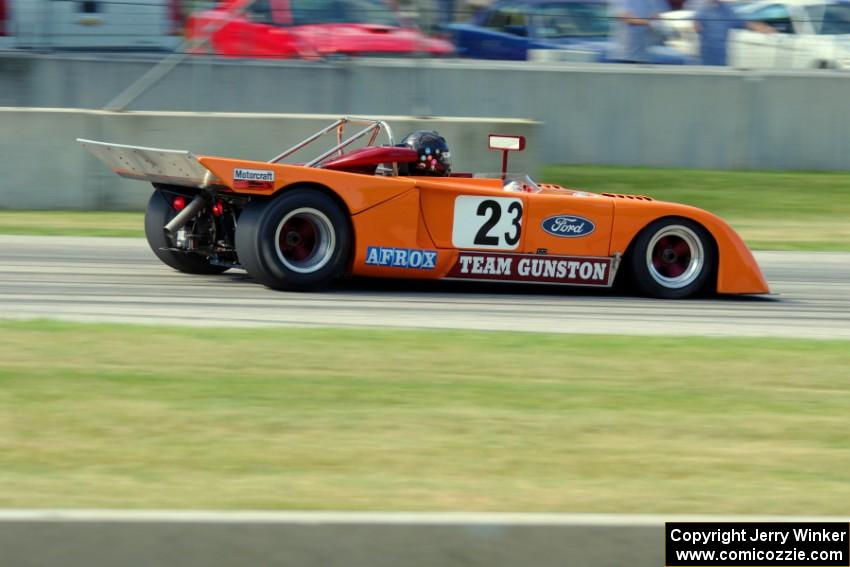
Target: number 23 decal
x: 487, y: 222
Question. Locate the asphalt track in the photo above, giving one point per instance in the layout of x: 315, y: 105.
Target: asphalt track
x: 119, y: 280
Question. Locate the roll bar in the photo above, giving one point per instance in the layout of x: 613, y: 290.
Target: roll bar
x: 374, y: 127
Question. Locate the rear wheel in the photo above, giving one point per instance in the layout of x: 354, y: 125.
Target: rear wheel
x: 300, y: 240
x: 673, y: 258
x: 157, y: 215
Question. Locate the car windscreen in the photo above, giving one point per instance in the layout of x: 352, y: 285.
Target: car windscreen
x: 571, y: 19
x: 829, y: 19
x: 775, y: 15
x: 374, y: 12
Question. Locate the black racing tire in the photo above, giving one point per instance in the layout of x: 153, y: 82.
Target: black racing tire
x: 157, y: 215
x: 673, y: 258
x: 299, y: 241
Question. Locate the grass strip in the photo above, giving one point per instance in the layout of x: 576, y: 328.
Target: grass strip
x: 73, y: 223
x: 116, y: 416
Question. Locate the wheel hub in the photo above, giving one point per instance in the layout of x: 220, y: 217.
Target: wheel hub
x: 305, y: 240
x: 293, y: 238
x: 675, y: 256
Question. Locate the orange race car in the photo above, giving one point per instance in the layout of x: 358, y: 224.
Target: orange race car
x: 398, y: 211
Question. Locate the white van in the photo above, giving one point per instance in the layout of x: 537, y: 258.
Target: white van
x: 104, y: 25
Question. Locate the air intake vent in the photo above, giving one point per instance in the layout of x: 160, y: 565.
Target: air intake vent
x: 632, y: 197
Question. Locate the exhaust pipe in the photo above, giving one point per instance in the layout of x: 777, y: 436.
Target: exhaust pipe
x: 184, y: 216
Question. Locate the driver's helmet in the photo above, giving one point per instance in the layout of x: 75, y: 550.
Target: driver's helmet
x: 433, y: 154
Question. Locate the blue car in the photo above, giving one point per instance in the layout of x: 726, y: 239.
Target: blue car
x: 507, y: 30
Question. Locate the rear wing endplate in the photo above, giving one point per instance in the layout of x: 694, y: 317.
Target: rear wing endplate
x: 173, y: 167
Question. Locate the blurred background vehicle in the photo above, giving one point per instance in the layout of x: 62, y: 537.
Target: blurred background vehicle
x: 810, y: 34
x: 545, y: 30
x: 507, y: 30
x: 102, y: 25
x: 310, y: 28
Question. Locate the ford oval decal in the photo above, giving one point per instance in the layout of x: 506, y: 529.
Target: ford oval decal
x: 568, y: 226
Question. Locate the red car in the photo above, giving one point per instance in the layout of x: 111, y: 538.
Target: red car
x: 309, y: 29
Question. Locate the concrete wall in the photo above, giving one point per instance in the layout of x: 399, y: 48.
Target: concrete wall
x: 44, y: 168
x: 82, y: 538
x: 599, y: 114
x: 90, y: 539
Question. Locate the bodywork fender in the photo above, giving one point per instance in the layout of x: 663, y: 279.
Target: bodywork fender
x: 737, y: 270
x: 359, y: 192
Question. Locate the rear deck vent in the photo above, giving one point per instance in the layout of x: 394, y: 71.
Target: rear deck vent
x: 633, y: 197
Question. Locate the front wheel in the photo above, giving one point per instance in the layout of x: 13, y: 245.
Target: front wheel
x: 673, y: 258
x: 301, y: 240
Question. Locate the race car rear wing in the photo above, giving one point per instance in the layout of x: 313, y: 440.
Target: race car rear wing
x: 174, y: 167
x: 179, y: 167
